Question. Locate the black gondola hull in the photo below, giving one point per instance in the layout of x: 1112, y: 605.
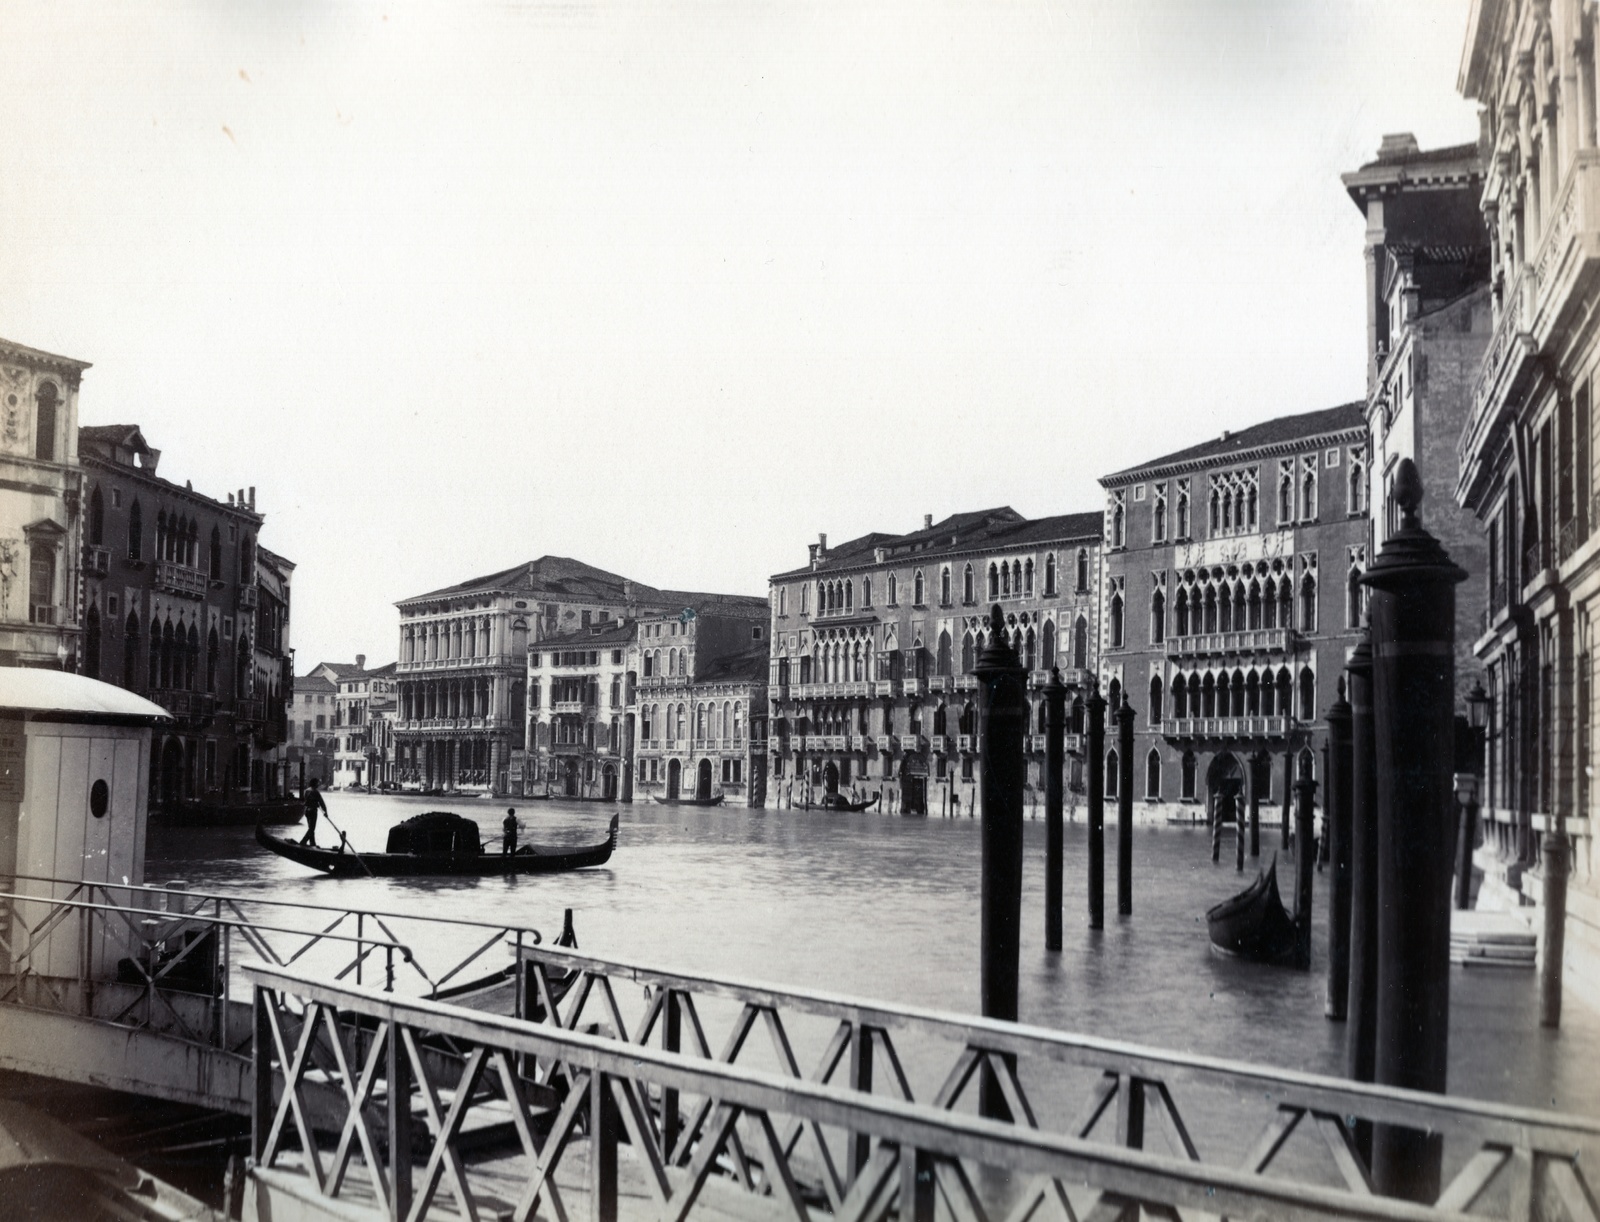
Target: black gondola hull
x: 1254, y: 924
x: 402, y: 865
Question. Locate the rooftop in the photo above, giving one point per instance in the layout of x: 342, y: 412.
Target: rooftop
x: 1283, y: 430
x: 314, y: 684
x: 558, y: 577
x: 981, y: 530
x: 750, y: 666
x: 40, y: 356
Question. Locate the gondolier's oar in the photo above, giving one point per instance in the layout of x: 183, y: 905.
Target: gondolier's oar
x: 344, y: 842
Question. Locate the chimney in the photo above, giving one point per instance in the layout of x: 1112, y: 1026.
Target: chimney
x: 822, y: 545
x: 1226, y: 434
x: 361, y: 661
x: 927, y: 521
x: 252, y: 498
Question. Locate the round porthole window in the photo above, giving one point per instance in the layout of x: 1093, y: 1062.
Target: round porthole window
x: 99, y: 799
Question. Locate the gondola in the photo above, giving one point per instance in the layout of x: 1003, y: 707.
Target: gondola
x: 1254, y: 924
x: 838, y: 802
x: 439, y: 842
x: 714, y: 801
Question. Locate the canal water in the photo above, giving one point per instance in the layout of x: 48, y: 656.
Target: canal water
x: 887, y: 907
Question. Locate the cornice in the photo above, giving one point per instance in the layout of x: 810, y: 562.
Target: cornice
x: 157, y: 483
x: 1221, y: 462
x: 921, y: 559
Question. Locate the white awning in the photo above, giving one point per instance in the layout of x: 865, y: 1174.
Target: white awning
x: 28, y: 690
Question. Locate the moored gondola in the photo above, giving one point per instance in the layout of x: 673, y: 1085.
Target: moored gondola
x: 838, y: 802
x: 439, y: 842
x: 1254, y: 924
x: 715, y: 800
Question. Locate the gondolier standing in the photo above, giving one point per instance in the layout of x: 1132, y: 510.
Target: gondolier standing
x: 314, y: 806
x: 509, y: 826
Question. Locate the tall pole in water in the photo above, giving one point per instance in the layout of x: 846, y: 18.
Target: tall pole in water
x: 1055, y: 712
x: 1336, y: 821
x: 1413, y: 602
x: 1003, y: 720
x: 1097, y: 806
x: 1125, y: 808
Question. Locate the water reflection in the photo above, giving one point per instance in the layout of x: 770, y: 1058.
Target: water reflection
x: 888, y: 907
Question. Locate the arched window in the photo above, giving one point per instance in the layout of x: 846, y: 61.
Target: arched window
x: 1286, y: 604
x: 1308, y: 603
x: 242, y: 668
x: 1155, y: 700
x: 1113, y: 700
x: 1152, y: 774
x: 849, y: 595
x: 944, y: 586
x: 894, y: 591
x: 1119, y: 525
x: 1179, y: 695
x: 1158, y: 618
x: 212, y: 653
x: 683, y: 719
x: 1308, y: 493
x: 866, y: 591
x: 1285, y: 498
x: 1027, y: 576
x: 44, y: 434
x: 1028, y: 650
x: 1080, y: 644
x: 97, y: 517
x: 994, y: 582
x: 1005, y: 581
x: 1357, y: 491
x: 1116, y: 621
x: 1111, y: 773
x: 1047, y: 645
x: 1183, y: 510
x: 968, y: 656
x: 191, y: 660
x: 942, y: 665
x: 939, y: 719
x: 1352, y: 600
x: 91, y: 641
x: 968, y: 595
x: 783, y: 600
x: 916, y: 590
x: 42, y: 583
x: 1189, y: 771
x: 1050, y: 575
x: 1308, y: 695
x: 1083, y: 569
x: 135, y: 532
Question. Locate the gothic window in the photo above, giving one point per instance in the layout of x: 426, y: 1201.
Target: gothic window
x: 1152, y: 774
x: 97, y: 517
x: 91, y: 642
x: 1286, y: 491
x: 944, y: 586
x: 130, y: 652
x: 943, y: 665
x: 1308, y: 603
x: 1119, y: 521
x: 916, y: 590
x: 1155, y: 700
x: 1158, y: 515
x: 1353, y: 592
x: 994, y: 582
x: 1080, y: 644
x: 44, y: 436
x: 894, y: 591
x: 1116, y: 620
x: 1028, y: 650
x: 1183, y: 509
x: 1111, y: 773
x: 1005, y: 580
x: 1308, y: 489
x: 1158, y: 618
x: 1356, y: 474
x: 212, y: 654
x: 1047, y: 646
x: 1216, y: 510
x: 1286, y: 604
x: 1016, y: 577
x: 1189, y: 771
x: 1027, y: 577
x: 1180, y: 695
x: 1050, y: 575
x: 967, y: 653
x: 1211, y: 609
x: 866, y: 591
x: 1180, y: 612
x: 849, y: 596
x: 191, y: 660
x: 1308, y: 695
x: 135, y: 532
x: 242, y: 668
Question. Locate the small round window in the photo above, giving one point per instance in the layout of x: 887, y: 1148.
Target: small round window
x: 99, y: 799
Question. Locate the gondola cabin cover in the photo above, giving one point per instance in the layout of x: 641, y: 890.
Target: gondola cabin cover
x: 437, y: 831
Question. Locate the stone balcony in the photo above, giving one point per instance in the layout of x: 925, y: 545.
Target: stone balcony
x: 1224, y: 727
x: 176, y: 579
x: 1251, y: 640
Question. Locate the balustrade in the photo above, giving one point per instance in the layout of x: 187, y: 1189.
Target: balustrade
x: 1250, y: 640
x: 1226, y: 727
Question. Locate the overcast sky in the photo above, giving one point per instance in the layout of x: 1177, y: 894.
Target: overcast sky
x: 671, y: 287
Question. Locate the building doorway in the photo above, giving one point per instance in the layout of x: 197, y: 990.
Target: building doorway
x: 913, y: 791
x: 702, y: 784
x: 674, y: 779
x: 830, y: 778
x: 569, y: 778
x: 608, y: 783
x: 1224, y: 789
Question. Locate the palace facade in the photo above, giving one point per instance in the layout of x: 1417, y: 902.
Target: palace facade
x: 40, y: 501
x: 1429, y: 317
x: 874, y: 642
x: 701, y: 700
x: 1231, y: 602
x: 183, y: 606
x: 1528, y: 451
x: 577, y: 700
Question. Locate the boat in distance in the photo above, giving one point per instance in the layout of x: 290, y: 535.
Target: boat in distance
x: 1254, y: 923
x: 439, y: 843
x: 712, y: 801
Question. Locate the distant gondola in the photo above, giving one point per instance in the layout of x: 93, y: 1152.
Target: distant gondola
x: 713, y: 801
x: 1254, y: 924
x: 838, y: 802
x: 439, y: 842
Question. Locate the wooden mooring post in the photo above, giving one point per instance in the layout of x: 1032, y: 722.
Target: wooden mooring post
x: 1336, y: 827
x: 1003, y: 721
x: 1055, y: 706
x: 1096, y: 751
x: 1125, y: 808
x: 1413, y: 606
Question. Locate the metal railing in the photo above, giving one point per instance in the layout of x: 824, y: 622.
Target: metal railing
x: 596, y: 1110
x: 57, y: 951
